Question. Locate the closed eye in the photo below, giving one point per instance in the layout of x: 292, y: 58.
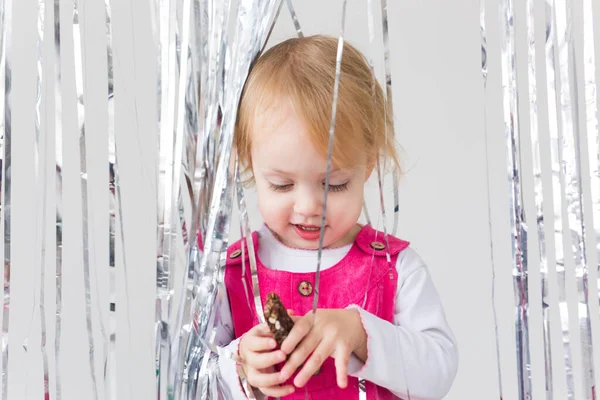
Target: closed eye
x: 338, y: 188
x: 280, y: 188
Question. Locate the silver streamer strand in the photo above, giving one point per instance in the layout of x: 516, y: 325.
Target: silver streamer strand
x: 290, y: 6
x: 371, y: 24
x: 362, y: 386
x: 192, y: 169
x: 167, y: 351
x: 59, y: 163
x: 390, y: 109
x: 165, y: 184
x: 484, y: 73
x: 78, y: 52
x: 249, y: 242
x: 115, y: 209
x: 551, y: 82
x: 571, y: 170
x: 215, y: 16
x: 41, y: 179
x: 157, y: 10
x: 338, y: 69
x: 517, y: 221
x: 539, y: 196
x: 250, y: 38
x: 6, y: 181
x: 591, y: 112
x: 175, y: 220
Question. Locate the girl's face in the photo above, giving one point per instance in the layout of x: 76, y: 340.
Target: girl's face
x: 290, y: 181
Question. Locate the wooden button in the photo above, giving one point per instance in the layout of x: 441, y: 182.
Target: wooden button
x: 235, y: 253
x: 377, y: 245
x: 305, y: 288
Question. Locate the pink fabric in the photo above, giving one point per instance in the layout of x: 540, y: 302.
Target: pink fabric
x: 341, y: 285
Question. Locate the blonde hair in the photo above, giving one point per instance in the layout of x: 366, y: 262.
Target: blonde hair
x: 302, y: 70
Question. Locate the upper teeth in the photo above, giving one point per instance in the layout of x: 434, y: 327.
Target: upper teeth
x: 306, y: 228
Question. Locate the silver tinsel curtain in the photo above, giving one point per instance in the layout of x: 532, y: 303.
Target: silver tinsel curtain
x: 107, y: 293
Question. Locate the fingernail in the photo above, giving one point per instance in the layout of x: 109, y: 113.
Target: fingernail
x: 273, y: 343
x: 281, y: 356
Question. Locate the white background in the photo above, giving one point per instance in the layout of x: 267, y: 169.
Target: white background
x: 435, y: 49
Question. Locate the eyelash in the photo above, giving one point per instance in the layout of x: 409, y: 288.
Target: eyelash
x: 285, y: 188
x: 338, y: 188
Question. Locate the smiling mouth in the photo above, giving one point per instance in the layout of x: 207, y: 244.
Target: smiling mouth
x: 308, y: 228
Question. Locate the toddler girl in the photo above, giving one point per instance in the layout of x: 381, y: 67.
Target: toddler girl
x: 379, y: 324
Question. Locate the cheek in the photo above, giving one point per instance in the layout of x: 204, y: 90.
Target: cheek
x: 348, y: 206
x: 271, y: 205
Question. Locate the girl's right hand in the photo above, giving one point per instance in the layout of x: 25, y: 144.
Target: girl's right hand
x: 257, y: 349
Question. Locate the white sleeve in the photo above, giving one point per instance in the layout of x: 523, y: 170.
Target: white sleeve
x: 418, y: 353
x: 226, y: 337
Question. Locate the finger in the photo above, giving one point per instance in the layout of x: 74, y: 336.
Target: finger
x: 342, y: 358
x: 264, y: 360
x: 261, y: 379
x: 301, y: 328
x: 258, y: 343
x: 312, y: 365
x: 261, y: 330
x: 300, y: 354
x: 277, y: 391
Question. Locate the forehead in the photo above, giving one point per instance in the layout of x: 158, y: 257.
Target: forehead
x: 278, y: 124
x: 280, y: 136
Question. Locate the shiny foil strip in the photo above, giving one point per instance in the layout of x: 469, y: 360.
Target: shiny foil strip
x: 166, y: 227
x: 6, y: 180
x: 115, y: 209
x: 551, y: 83
x: 58, y: 140
x: 517, y: 222
x: 185, y: 145
x: 41, y: 174
x: 389, y: 107
x: 248, y: 245
x: 174, y: 221
x: 336, y: 85
x: 571, y: 170
x: 538, y: 186
x: 78, y: 51
x: 484, y: 74
x: 378, y: 164
x: 371, y: 24
x: 591, y: 113
x: 254, y: 21
x: 290, y: 6
x: 214, y: 20
x: 209, y: 38
x: 193, y: 172
x: 362, y: 387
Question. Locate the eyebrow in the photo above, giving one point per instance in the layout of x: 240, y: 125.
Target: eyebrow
x: 282, y: 172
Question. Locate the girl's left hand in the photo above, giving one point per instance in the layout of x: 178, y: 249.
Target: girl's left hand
x: 336, y: 332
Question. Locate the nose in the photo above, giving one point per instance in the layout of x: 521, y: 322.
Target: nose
x: 308, y: 203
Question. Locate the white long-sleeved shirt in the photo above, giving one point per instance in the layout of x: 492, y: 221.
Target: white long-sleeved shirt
x: 416, y: 353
